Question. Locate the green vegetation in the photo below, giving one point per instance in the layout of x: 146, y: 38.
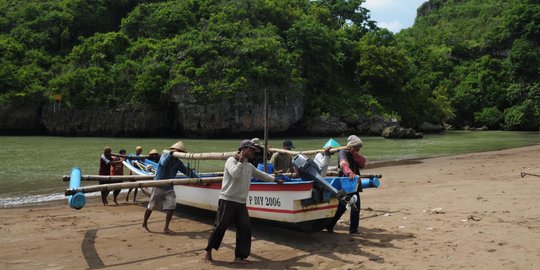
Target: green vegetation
x: 464, y: 62
x: 484, y: 55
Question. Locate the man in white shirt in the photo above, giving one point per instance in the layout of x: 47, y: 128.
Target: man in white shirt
x: 323, y: 160
x: 232, y: 202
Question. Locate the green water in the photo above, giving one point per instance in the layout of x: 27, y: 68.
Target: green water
x: 31, y: 167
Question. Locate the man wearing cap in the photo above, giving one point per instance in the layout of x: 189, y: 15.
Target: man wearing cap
x: 232, y: 202
x: 133, y: 159
x: 164, y: 197
x: 259, y: 155
x: 349, y: 163
x: 282, y: 161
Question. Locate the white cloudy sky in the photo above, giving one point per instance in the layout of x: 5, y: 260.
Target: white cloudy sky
x: 393, y: 14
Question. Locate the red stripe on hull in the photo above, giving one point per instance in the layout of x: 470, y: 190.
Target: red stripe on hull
x: 291, y: 211
x: 263, y: 187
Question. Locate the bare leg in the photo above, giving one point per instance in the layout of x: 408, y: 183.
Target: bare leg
x: 168, y: 221
x: 135, y: 195
x: 115, y: 196
x: 208, y: 257
x: 127, y: 196
x: 147, y: 214
x: 104, y: 195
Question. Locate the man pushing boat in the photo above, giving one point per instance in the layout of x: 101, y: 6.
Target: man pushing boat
x: 164, y: 198
x: 232, y: 202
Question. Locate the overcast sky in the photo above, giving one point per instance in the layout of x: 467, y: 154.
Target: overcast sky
x: 393, y: 14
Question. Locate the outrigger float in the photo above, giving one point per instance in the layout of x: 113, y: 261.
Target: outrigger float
x: 307, y: 203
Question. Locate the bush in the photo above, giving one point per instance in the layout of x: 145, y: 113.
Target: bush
x: 490, y: 117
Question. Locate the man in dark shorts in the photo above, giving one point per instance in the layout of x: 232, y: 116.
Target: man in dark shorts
x: 350, y: 162
x: 105, y: 162
x: 164, y: 198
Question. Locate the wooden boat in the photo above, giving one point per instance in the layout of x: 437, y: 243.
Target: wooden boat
x: 290, y: 204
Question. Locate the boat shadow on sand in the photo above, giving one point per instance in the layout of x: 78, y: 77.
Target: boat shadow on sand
x: 305, y: 244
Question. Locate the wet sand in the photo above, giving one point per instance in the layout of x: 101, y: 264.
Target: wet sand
x: 470, y: 211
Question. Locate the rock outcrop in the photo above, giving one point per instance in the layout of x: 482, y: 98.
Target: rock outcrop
x: 238, y: 114
x: 129, y: 121
x: 22, y: 118
x: 374, y: 125
x: 401, y: 133
x: 325, y: 126
x: 430, y: 128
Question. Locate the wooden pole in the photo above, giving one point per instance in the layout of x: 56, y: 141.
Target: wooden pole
x: 202, y: 156
x: 130, y: 157
x: 122, y: 178
x: 265, y: 130
x: 308, y: 152
x: 110, y: 178
x: 226, y: 155
x: 141, y: 184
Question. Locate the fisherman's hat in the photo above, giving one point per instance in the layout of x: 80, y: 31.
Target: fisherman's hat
x: 153, y: 151
x: 248, y: 143
x: 180, y: 146
x: 353, y: 141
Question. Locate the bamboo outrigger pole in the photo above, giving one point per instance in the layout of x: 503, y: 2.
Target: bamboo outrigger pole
x: 226, y: 155
x: 141, y: 184
x: 109, y: 178
x: 115, y: 179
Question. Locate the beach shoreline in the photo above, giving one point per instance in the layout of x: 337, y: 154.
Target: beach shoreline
x: 470, y: 211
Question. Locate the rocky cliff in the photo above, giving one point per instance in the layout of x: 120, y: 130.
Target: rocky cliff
x: 22, y: 117
x: 129, y: 121
x: 234, y: 115
x: 186, y: 116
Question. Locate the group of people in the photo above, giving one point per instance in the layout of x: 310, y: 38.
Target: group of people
x: 110, y: 164
x: 237, y: 176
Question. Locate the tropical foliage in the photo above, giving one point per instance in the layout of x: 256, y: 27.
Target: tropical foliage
x: 472, y: 62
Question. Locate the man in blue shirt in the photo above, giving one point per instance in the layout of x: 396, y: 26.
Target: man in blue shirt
x: 164, y: 198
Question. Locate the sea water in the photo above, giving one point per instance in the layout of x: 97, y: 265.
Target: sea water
x: 31, y: 168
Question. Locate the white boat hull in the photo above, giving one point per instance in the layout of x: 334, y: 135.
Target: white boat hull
x: 267, y: 201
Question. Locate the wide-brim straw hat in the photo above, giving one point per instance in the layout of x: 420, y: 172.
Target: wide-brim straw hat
x: 153, y: 152
x: 180, y: 146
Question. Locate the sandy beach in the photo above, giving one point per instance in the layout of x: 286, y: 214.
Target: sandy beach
x: 470, y: 211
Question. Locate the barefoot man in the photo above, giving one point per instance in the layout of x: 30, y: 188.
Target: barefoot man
x: 163, y: 198
x: 232, y: 202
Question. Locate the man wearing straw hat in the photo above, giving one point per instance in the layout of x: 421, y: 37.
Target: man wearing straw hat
x: 163, y: 198
x: 232, y: 202
x: 349, y: 163
x: 153, y: 155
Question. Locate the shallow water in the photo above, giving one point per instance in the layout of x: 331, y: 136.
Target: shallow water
x: 31, y: 168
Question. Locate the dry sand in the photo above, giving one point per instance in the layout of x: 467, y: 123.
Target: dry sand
x: 469, y: 211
